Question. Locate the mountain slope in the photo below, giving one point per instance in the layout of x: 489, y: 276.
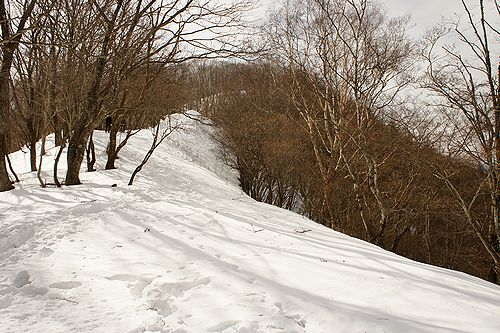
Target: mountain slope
x: 184, y: 250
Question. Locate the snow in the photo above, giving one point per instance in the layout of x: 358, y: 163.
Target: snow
x: 178, y: 252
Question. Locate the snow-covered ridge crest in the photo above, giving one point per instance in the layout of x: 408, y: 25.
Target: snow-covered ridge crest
x: 184, y: 250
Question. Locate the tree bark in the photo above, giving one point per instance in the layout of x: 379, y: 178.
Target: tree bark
x: 32, y: 143
x: 495, y: 232
x: 12, y: 169
x: 5, y: 184
x: 57, y: 130
x: 39, y: 173
x: 111, y: 149
x: 56, y: 163
x: 76, y: 152
x: 91, y: 154
x: 158, y: 138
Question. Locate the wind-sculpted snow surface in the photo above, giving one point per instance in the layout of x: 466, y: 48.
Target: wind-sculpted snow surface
x: 178, y: 252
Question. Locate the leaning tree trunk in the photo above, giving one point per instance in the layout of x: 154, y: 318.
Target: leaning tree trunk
x: 91, y: 154
x: 12, y: 169
x: 39, y: 172
x: 57, y: 130
x: 56, y: 162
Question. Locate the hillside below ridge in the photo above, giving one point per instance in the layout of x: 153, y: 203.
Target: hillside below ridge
x: 184, y: 250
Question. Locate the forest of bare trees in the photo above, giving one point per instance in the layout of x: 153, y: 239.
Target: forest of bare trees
x: 68, y: 65
x: 327, y: 125
x: 325, y: 120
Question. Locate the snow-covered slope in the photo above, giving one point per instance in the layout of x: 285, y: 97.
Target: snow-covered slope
x: 82, y: 259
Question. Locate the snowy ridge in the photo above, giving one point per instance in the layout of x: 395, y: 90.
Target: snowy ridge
x: 185, y: 251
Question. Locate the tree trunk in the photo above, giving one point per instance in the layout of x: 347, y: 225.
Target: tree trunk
x: 495, y: 232
x: 12, y: 169
x: 91, y: 154
x: 32, y: 143
x: 57, y: 130
x: 5, y: 184
x: 56, y: 123
x: 33, y: 156
x: 78, y: 140
x: 494, y: 275
x: 76, y: 152
x: 56, y: 163
x: 111, y: 149
x: 39, y: 173
x: 136, y: 171
x: 43, y: 151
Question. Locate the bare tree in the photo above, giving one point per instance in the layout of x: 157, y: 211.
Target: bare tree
x: 12, y: 32
x: 31, y: 89
x: 347, y: 63
x: 468, y: 87
x: 131, y: 34
x: 160, y: 132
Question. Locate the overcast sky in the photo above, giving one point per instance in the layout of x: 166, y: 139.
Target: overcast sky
x: 424, y: 13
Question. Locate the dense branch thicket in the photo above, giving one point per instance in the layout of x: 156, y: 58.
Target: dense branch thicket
x: 320, y: 128
x: 264, y: 137
x: 469, y: 89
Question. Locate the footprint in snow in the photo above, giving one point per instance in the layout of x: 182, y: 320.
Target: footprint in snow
x: 223, y: 326
x: 136, y: 284
x: 249, y: 327
x: 160, y: 295
x: 65, y: 285
x: 5, y: 301
x: 122, y: 277
x: 46, y: 252
x: 257, y: 297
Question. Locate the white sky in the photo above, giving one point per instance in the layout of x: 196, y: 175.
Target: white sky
x: 424, y: 13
